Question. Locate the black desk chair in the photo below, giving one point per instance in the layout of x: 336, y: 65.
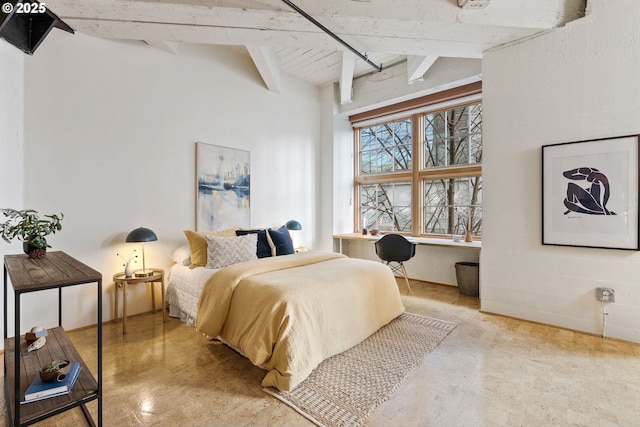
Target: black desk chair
x: 394, y: 250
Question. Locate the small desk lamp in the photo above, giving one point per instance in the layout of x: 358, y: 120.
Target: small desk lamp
x: 293, y: 225
x: 141, y: 235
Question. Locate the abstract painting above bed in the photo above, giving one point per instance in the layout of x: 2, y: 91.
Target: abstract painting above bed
x: 288, y: 313
x: 223, y: 178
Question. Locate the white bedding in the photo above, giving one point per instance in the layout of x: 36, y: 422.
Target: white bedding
x: 184, y: 286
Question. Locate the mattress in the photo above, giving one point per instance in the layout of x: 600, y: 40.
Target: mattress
x: 184, y: 286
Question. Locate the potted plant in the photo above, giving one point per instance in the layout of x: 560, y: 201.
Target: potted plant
x: 51, y: 372
x: 27, y: 226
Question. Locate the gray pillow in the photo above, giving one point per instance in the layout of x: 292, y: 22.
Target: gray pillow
x: 224, y: 251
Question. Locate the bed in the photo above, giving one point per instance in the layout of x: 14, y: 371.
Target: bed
x: 287, y: 313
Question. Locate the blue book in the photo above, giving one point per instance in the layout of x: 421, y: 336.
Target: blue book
x: 39, y: 389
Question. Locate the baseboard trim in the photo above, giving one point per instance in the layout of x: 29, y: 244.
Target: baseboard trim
x: 558, y: 327
x: 428, y: 282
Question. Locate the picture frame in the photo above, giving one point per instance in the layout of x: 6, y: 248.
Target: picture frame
x: 590, y: 193
x: 223, y: 188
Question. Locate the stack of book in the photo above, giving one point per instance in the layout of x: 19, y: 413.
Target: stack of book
x: 39, y: 389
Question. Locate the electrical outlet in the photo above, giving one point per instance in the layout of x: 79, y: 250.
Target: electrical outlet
x: 605, y: 294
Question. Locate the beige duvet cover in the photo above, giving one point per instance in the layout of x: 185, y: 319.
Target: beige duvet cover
x: 289, y: 313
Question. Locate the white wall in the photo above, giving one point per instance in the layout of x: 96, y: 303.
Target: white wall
x: 576, y: 83
x: 110, y: 132
x: 11, y: 140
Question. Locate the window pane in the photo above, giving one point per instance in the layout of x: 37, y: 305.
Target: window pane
x: 365, y: 162
x: 386, y: 207
x: 367, y: 138
x: 450, y: 202
x: 435, y: 146
x: 453, y: 137
x: 475, y: 133
x: 386, y: 148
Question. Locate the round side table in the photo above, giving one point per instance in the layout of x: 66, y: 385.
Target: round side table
x: 121, y: 281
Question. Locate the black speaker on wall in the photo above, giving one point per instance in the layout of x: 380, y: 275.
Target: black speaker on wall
x: 26, y: 24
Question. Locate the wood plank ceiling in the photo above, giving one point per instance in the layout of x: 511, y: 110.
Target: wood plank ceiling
x: 284, y: 44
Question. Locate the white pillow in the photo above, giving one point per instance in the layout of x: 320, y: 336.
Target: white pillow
x: 181, y: 255
x: 224, y: 251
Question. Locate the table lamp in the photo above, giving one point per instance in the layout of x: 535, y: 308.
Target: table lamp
x: 293, y: 225
x: 141, y: 235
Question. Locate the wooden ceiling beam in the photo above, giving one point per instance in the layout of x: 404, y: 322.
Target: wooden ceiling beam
x: 346, y: 77
x: 257, y: 37
x: 417, y: 66
x: 517, y: 13
x: 353, y: 29
x: 267, y: 64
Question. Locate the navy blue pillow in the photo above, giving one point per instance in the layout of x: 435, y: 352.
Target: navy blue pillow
x: 263, y: 249
x: 282, y: 241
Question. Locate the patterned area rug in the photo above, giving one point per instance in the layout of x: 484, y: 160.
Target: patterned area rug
x: 344, y: 389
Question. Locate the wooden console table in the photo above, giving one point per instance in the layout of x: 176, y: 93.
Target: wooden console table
x: 55, y: 271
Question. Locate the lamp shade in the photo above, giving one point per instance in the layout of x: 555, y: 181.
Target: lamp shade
x: 293, y: 225
x: 141, y: 234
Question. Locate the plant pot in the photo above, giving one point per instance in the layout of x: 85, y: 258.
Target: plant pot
x: 54, y: 375
x: 32, y: 251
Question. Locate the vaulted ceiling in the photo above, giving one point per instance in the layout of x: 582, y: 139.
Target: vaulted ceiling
x: 283, y: 43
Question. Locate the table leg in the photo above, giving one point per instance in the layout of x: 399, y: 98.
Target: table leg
x: 164, y: 305
x: 124, y: 307
x: 153, y: 297
x: 115, y: 315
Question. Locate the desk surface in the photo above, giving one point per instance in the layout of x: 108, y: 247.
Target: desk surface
x: 428, y: 241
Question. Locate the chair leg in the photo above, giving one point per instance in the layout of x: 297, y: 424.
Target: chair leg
x: 406, y: 279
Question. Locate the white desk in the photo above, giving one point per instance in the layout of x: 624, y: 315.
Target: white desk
x: 427, y: 241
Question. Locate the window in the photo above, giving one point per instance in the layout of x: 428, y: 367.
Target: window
x: 386, y: 147
x: 387, y: 206
x: 419, y: 172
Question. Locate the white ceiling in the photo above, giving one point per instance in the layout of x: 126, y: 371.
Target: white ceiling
x: 284, y: 44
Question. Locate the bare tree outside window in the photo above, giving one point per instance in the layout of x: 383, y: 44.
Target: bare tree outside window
x: 453, y: 137
x: 387, y: 207
x: 386, y: 148
x: 449, y: 178
x: 450, y: 203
